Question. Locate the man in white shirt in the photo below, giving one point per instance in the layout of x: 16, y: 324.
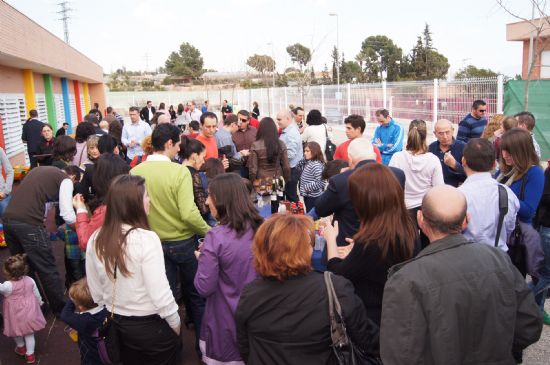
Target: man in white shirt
x: 482, y: 195
x: 193, y: 113
x: 133, y: 134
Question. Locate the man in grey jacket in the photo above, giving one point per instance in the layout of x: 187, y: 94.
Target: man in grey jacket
x: 456, y: 302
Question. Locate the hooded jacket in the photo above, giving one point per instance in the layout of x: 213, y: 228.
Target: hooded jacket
x: 422, y: 172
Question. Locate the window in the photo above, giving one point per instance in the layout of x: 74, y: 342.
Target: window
x: 13, y: 111
x: 545, y: 65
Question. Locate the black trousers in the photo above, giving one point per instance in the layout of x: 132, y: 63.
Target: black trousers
x: 424, y: 241
x: 35, y: 242
x: 147, y: 341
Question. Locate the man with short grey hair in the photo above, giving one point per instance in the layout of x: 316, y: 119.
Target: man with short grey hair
x: 456, y: 302
x: 293, y: 140
x: 449, y: 151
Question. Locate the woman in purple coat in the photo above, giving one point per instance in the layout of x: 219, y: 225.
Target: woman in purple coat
x: 225, y: 266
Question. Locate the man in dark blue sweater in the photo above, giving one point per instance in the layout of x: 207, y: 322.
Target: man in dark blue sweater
x: 84, y: 316
x: 449, y: 151
x: 473, y: 124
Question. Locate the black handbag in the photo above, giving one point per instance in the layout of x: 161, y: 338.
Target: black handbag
x: 108, y: 337
x: 330, y: 148
x: 345, y: 352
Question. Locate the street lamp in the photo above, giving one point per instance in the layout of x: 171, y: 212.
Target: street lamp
x: 337, y: 50
x: 273, y: 58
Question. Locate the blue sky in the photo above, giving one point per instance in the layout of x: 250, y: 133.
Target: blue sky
x: 119, y: 33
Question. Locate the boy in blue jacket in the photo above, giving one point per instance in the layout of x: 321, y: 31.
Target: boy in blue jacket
x: 84, y: 316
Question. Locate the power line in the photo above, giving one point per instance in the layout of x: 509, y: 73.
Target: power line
x: 65, y: 18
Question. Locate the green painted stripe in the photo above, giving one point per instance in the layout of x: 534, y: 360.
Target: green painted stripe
x: 50, y: 101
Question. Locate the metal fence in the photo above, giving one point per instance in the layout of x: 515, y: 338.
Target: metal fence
x: 428, y: 100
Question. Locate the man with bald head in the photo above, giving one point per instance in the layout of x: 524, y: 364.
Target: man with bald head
x: 457, y: 302
x: 449, y: 151
x: 293, y: 140
x: 163, y: 119
x: 335, y: 200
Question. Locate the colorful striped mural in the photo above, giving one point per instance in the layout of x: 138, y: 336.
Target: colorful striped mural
x: 77, y: 101
x: 28, y: 87
x: 66, y: 103
x: 50, y: 101
x: 86, y: 95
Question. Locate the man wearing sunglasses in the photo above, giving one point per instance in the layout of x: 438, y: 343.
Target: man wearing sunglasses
x: 473, y: 124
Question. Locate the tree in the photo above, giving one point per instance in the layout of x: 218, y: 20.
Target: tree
x: 299, y: 54
x: 379, y: 53
x: 186, y: 62
x: 261, y: 63
x: 350, y: 71
x: 325, y: 79
x: 335, y: 64
x: 424, y: 62
x: 472, y: 72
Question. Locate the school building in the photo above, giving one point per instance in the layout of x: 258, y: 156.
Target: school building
x: 40, y: 71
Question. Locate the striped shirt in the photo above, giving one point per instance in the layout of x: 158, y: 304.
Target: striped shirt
x: 470, y: 127
x: 311, y: 183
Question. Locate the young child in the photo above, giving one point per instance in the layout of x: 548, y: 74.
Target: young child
x: 84, y: 316
x: 22, y: 314
x: 311, y: 168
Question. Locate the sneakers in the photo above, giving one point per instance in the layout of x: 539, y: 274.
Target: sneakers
x: 546, y: 318
x: 21, y: 351
x: 30, y: 359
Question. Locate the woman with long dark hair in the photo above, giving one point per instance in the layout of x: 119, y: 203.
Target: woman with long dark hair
x: 268, y: 155
x: 386, y: 235
x: 225, y: 266
x: 125, y: 271
x: 107, y: 167
x: 311, y: 183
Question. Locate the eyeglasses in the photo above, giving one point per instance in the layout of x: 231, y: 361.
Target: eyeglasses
x: 243, y: 120
x: 482, y: 110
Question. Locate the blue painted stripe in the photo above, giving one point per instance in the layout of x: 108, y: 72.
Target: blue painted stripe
x: 66, y: 103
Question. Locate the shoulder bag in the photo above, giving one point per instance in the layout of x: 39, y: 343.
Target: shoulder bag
x: 330, y: 148
x: 108, y: 341
x: 345, y: 352
x: 524, y: 245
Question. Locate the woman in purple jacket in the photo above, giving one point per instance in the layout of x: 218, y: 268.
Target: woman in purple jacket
x: 225, y: 266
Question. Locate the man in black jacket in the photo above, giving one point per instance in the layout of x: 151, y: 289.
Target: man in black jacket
x: 32, y: 135
x: 335, y: 200
x: 147, y: 112
x: 458, y: 301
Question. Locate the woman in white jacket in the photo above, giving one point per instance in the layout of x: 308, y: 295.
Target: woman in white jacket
x: 422, y: 169
x: 316, y: 130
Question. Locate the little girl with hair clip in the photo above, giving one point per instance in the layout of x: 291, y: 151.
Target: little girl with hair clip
x: 22, y: 314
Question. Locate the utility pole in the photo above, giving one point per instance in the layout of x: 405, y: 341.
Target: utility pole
x: 65, y: 18
x: 337, y: 50
x: 146, y: 62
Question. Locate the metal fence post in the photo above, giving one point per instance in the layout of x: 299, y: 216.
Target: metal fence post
x: 384, y: 92
x: 349, y: 99
x: 286, y: 99
x: 273, y: 101
x: 323, y: 99
x: 500, y: 94
x: 436, y: 97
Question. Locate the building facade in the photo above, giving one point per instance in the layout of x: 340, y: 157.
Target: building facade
x: 40, y: 71
x: 521, y: 32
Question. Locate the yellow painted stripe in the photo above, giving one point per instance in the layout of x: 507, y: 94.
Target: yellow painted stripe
x: 86, y: 97
x: 28, y: 86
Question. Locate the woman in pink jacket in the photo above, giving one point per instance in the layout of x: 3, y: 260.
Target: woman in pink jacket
x: 107, y: 167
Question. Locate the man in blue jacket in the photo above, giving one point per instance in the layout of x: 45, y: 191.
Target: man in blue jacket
x: 473, y: 124
x: 388, y: 136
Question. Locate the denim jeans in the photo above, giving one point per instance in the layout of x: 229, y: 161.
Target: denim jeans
x: 34, y: 241
x: 181, y: 263
x: 542, y: 283
x: 291, y: 187
x: 4, y: 204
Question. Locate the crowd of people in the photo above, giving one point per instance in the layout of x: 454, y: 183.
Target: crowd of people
x: 235, y: 220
